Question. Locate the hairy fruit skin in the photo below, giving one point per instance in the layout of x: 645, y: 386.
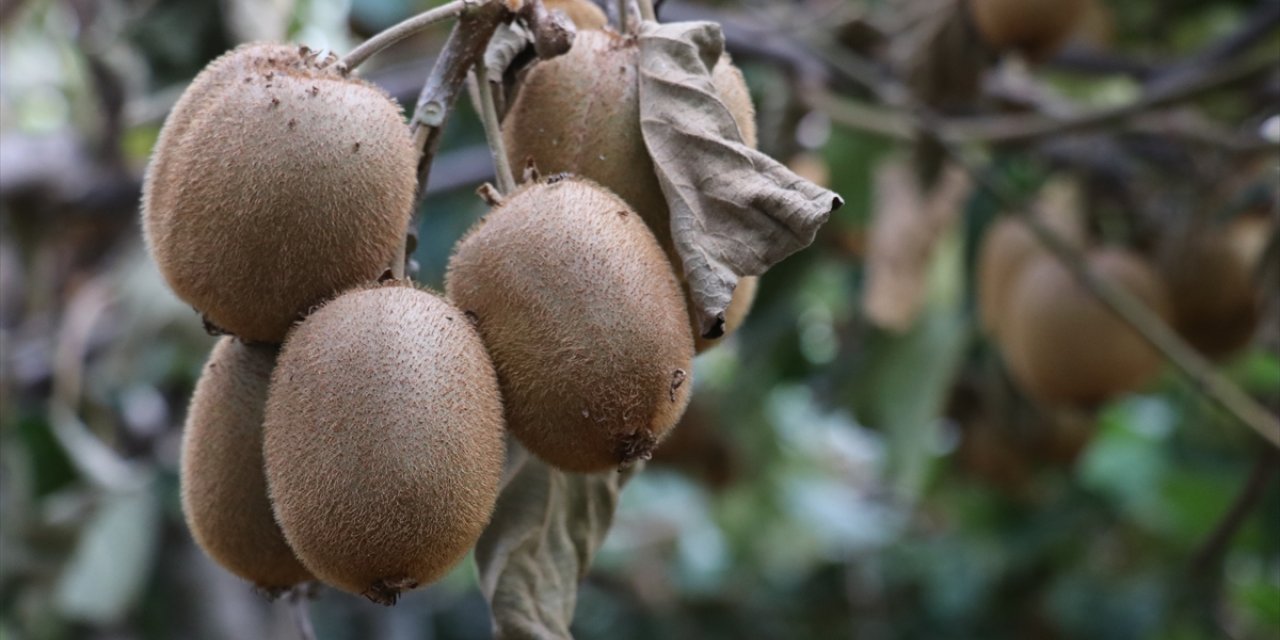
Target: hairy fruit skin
x: 584, y: 319
x: 276, y: 183
x: 1035, y: 27
x: 224, y: 489
x: 384, y: 444
x: 1216, y: 307
x: 580, y: 113
x: 1064, y: 346
x: 584, y: 13
x: 1007, y: 248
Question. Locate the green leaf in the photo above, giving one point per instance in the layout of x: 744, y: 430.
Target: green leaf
x: 546, y: 528
x: 113, y: 558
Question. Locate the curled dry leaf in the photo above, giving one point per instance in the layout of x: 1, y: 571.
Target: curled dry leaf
x: 546, y: 528
x: 906, y: 225
x: 734, y: 211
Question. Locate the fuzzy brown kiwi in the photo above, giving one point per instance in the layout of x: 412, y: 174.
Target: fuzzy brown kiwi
x: 1035, y: 27
x: 1006, y: 250
x: 384, y: 443
x: 584, y: 13
x: 224, y: 490
x: 276, y: 183
x: 584, y: 319
x: 1064, y: 346
x: 1216, y: 306
x: 580, y: 113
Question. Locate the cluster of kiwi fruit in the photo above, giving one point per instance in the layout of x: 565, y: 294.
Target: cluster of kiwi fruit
x: 1065, y: 348
x: 349, y: 427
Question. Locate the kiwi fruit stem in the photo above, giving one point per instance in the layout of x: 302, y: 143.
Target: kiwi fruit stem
x: 646, y: 10
x: 492, y: 129
x: 401, y: 30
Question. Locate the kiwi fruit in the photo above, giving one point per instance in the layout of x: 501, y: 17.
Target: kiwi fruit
x: 1216, y: 306
x: 383, y: 440
x: 276, y: 183
x: 584, y: 319
x: 224, y: 489
x: 1064, y: 346
x: 580, y: 113
x: 1037, y: 28
x: 1008, y: 246
x: 584, y: 13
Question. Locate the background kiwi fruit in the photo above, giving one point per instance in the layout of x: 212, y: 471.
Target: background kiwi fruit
x: 276, y: 183
x: 224, y: 490
x: 1064, y: 346
x: 580, y: 113
x: 584, y: 13
x: 384, y: 443
x: 585, y: 321
x: 1035, y: 27
x: 1216, y: 306
x: 1007, y: 248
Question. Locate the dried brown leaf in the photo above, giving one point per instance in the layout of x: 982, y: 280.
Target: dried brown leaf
x: 546, y: 528
x: 734, y: 211
x: 906, y: 226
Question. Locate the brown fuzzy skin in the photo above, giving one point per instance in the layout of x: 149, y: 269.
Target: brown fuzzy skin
x: 1216, y: 307
x: 580, y: 113
x: 1035, y: 27
x: 585, y: 322
x: 1064, y: 346
x: 275, y: 184
x: 1006, y: 250
x: 584, y: 14
x: 384, y: 443
x: 224, y: 489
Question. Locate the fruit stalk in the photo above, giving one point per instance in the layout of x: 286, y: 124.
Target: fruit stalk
x: 646, y: 10
x: 493, y: 130
x: 402, y: 30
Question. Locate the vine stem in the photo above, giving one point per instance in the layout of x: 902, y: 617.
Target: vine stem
x: 646, y: 11
x: 493, y: 130
x: 402, y: 30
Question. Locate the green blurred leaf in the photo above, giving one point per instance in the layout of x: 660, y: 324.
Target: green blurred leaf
x: 113, y: 558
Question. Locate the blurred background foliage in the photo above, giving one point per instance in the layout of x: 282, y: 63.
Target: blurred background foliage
x: 834, y: 478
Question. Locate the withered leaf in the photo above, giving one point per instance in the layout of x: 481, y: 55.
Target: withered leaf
x: 907, y: 222
x: 734, y: 211
x: 546, y: 528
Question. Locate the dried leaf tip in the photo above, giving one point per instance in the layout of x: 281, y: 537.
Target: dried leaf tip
x: 734, y: 211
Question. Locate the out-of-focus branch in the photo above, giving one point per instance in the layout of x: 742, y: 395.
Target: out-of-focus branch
x: 1133, y: 312
x: 1251, y: 493
x: 1015, y: 129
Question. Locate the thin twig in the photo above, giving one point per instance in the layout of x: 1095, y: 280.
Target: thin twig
x: 402, y: 30
x: 646, y: 11
x: 463, y: 50
x: 624, y: 15
x: 493, y: 130
x: 1251, y: 493
x: 1020, y: 129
